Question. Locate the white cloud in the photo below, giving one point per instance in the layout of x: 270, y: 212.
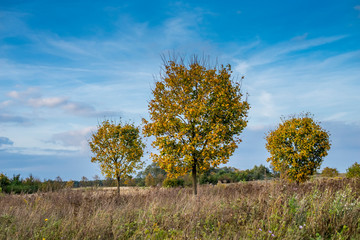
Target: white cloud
x: 264, y: 110
x: 79, y: 109
x: 47, y: 102
x: 267, y: 107
x: 74, y: 138
x: 283, y: 82
x: 21, y: 95
x: 281, y: 50
x: 242, y: 67
x: 32, y: 98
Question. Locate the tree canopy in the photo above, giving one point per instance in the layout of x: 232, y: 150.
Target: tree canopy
x: 118, y: 149
x: 353, y: 171
x: 329, y: 172
x: 297, y: 147
x: 196, y: 115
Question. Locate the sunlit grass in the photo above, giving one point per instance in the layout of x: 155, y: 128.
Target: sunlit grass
x: 321, y: 209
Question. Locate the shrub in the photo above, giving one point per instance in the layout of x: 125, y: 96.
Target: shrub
x: 329, y: 172
x: 353, y: 171
x: 17, y: 189
x: 4, y: 180
x: 208, y: 178
x: 173, y: 182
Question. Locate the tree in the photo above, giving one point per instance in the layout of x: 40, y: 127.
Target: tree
x: 84, y: 181
x: 353, y: 171
x: 152, y: 169
x: 196, y: 116
x: 4, y: 181
x: 118, y: 149
x: 69, y: 184
x: 97, y: 180
x: 297, y: 147
x: 329, y: 172
x: 149, y: 180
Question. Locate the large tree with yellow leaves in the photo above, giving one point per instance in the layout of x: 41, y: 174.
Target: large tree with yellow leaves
x: 118, y: 149
x: 196, y: 115
x: 297, y: 147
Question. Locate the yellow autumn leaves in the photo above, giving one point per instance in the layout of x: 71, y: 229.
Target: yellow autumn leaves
x: 297, y: 147
x: 118, y: 149
x: 195, y: 115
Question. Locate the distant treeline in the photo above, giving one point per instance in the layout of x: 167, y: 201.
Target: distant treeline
x: 152, y: 176
x: 155, y: 176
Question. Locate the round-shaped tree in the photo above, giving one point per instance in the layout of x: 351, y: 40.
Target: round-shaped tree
x: 353, y: 171
x: 297, y: 147
x: 118, y: 148
x: 330, y: 172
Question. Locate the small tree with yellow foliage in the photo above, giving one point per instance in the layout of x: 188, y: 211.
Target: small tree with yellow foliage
x: 297, y: 147
x: 329, y: 172
x: 196, y: 116
x: 118, y: 149
x: 69, y: 184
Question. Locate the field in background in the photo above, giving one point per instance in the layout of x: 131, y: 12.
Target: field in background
x: 318, y: 209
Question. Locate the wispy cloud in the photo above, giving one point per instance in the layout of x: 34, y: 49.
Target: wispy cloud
x: 20, y: 95
x: 357, y: 8
x: 283, y: 81
x: 267, y: 107
x: 32, y: 97
x: 5, y: 141
x: 42, y: 151
x: 65, y: 83
x: 8, y: 118
x: 300, y: 38
x: 73, y: 138
x: 13, y: 23
x: 47, y: 102
x: 5, y: 104
x: 281, y: 50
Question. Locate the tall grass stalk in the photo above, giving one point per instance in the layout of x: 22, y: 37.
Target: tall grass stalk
x: 321, y: 209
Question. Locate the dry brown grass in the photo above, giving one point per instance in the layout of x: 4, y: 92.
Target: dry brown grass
x: 322, y: 209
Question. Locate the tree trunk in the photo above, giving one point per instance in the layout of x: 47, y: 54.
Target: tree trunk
x: 118, y: 185
x: 194, y: 178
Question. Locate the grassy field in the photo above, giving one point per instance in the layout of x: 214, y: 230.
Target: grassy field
x: 320, y: 209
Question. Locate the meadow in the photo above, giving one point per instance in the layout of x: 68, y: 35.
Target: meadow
x: 326, y: 208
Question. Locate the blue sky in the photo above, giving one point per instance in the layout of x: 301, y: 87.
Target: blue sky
x: 66, y: 65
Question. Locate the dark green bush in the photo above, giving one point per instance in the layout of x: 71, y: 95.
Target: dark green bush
x: 173, y: 182
x: 4, y: 180
x: 17, y: 189
x: 208, y: 178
